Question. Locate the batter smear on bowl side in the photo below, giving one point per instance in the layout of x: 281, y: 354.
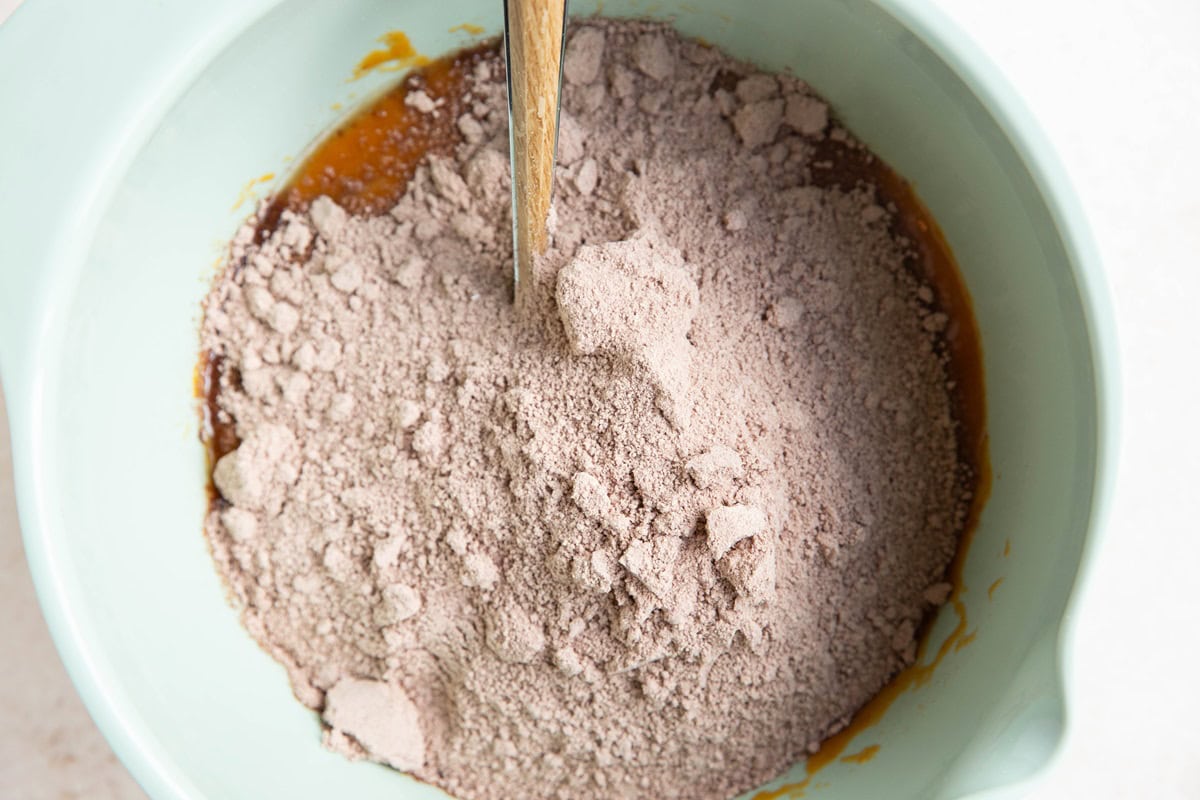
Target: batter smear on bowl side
x: 660, y: 536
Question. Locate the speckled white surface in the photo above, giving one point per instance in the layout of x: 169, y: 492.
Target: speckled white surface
x: 1116, y: 84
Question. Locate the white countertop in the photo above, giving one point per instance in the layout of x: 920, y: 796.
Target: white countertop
x: 1116, y: 84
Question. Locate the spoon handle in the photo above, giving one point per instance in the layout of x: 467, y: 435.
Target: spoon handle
x: 534, y: 32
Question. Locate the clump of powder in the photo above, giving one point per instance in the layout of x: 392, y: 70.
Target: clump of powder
x: 659, y: 537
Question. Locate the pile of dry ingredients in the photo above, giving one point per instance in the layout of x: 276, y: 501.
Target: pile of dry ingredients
x: 657, y: 538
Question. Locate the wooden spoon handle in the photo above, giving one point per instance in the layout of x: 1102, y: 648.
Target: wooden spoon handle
x: 533, y: 47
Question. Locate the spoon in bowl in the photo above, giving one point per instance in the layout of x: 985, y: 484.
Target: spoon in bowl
x: 534, y: 33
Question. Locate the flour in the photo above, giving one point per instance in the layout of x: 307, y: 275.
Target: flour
x: 657, y: 538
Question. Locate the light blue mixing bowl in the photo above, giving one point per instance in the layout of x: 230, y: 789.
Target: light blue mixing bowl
x: 128, y: 129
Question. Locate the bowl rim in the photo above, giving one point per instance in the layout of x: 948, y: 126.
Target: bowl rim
x: 970, y: 63
x: 185, y: 37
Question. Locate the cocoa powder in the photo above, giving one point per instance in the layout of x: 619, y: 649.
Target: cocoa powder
x: 658, y: 537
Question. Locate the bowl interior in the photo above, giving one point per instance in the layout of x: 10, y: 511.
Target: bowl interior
x: 198, y: 710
